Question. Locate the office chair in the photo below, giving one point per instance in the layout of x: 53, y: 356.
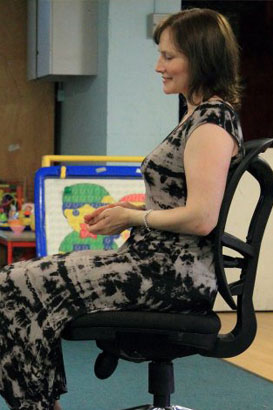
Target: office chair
x: 160, y: 337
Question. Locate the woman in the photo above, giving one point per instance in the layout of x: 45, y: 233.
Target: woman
x: 167, y: 263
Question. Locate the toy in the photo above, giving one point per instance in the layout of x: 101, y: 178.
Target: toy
x: 60, y: 206
x: 16, y: 227
x: 26, y: 215
x: 7, y: 210
x: 10, y: 202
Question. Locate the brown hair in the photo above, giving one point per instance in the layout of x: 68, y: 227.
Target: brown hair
x: 207, y: 40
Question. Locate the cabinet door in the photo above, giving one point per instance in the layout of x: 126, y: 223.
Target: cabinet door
x: 62, y: 38
x: 44, y: 28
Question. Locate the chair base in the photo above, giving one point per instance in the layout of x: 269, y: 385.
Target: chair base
x: 149, y: 407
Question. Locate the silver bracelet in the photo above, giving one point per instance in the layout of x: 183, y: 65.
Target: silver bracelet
x: 145, y: 219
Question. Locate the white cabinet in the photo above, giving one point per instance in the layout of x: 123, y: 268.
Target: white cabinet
x: 62, y: 38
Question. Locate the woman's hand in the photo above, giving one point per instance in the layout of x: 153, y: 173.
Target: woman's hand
x: 110, y: 220
x: 90, y: 219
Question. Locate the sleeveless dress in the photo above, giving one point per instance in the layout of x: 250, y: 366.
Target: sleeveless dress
x: 153, y: 270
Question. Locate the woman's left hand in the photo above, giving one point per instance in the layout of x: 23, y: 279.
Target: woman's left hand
x: 111, y: 221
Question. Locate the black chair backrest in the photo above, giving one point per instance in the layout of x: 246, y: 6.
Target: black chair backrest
x: 244, y: 332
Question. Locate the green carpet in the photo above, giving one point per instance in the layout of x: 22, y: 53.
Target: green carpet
x: 201, y: 384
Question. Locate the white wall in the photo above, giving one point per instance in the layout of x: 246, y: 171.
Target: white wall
x: 140, y: 115
x: 84, y: 110
x: 122, y: 110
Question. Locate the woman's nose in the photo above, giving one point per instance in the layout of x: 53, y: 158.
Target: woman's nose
x: 159, y: 66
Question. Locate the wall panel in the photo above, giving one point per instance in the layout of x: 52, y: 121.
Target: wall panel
x: 26, y: 107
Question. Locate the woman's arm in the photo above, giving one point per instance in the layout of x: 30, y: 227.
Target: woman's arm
x: 207, y: 159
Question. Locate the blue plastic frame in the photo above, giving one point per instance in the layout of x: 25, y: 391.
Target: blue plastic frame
x: 72, y: 171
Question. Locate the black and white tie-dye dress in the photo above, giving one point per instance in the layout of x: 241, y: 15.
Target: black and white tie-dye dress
x: 153, y: 270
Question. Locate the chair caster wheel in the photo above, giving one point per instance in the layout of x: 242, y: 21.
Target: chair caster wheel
x: 105, y: 365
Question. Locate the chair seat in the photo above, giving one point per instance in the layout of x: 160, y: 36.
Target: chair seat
x: 199, y: 331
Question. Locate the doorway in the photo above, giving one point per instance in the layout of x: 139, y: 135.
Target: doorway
x: 252, y: 22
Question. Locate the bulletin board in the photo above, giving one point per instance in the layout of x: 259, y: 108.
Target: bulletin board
x: 63, y: 195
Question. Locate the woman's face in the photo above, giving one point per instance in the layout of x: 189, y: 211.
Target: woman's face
x: 172, y: 65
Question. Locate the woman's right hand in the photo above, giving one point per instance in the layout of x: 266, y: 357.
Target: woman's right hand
x: 90, y: 219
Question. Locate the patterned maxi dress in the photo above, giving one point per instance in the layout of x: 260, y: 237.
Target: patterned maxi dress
x: 153, y: 270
